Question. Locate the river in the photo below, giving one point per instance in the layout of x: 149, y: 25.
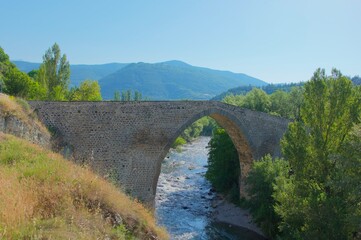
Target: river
x: 184, y: 197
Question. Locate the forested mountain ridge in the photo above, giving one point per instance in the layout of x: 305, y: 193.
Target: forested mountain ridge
x: 173, y: 80
x: 156, y: 81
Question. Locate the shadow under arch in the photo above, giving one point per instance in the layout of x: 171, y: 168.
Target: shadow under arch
x: 234, y: 128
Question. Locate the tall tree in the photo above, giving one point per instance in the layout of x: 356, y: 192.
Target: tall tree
x: 54, y: 73
x: 116, y: 96
x: 127, y: 95
x: 310, y: 201
x: 137, y: 96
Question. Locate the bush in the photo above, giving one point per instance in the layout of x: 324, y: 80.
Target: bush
x: 179, y: 142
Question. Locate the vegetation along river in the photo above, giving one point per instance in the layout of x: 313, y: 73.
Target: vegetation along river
x: 185, y: 201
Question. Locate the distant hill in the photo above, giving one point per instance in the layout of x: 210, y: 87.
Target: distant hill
x: 269, y: 89
x: 26, y: 66
x: 173, y: 80
x: 79, y: 72
x: 159, y: 81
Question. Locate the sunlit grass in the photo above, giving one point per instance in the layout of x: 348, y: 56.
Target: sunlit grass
x: 19, y: 108
x: 43, y: 196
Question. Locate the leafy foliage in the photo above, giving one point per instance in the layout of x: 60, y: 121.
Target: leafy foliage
x: 269, y: 89
x: 223, y: 164
x: 257, y: 100
x: 260, y: 182
x: 202, y: 127
x: 14, y: 82
x: 127, y: 96
x: 54, y: 74
x: 179, y: 142
x: 322, y: 156
x: 49, y: 82
x: 356, y: 80
x: 315, y: 192
x: 280, y: 103
x: 116, y: 96
x: 87, y: 91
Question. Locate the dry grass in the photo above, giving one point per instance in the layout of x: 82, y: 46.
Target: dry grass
x: 17, y: 107
x: 43, y: 196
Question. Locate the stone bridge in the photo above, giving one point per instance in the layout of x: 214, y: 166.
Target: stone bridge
x: 129, y: 140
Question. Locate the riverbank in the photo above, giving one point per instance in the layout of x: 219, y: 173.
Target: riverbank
x: 227, y: 212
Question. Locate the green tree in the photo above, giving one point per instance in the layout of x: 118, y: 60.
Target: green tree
x: 116, y: 96
x: 54, y: 73
x: 236, y: 100
x: 257, y: 100
x: 223, y: 164
x: 127, y: 95
x: 280, y: 104
x: 295, y: 102
x: 311, y: 202
x: 137, y: 96
x: 14, y: 82
x: 88, y: 90
x: 17, y: 83
x: 260, y: 183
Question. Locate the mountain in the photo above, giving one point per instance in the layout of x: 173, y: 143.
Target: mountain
x: 26, y: 66
x: 94, y: 72
x: 157, y: 81
x: 173, y: 80
x: 79, y: 72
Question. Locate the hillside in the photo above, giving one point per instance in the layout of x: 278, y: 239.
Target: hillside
x: 158, y: 81
x: 16, y: 118
x: 173, y: 80
x: 44, y: 196
x: 79, y: 72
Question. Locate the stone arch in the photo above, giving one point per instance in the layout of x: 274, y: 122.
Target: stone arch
x: 138, y: 135
x: 235, y: 129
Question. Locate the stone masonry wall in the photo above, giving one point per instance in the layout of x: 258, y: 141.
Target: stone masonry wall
x: 129, y: 140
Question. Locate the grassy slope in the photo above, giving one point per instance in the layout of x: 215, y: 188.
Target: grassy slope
x: 19, y: 108
x: 43, y: 196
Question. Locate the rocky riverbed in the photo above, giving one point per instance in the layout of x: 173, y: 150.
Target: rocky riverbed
x: 188, y: 207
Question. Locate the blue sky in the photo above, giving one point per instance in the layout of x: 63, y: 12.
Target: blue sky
x: 274, y: 40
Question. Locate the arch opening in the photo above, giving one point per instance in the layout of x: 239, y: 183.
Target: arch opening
x: 236, y: 132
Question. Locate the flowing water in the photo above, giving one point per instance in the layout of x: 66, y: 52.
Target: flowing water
x: 184, y: 197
